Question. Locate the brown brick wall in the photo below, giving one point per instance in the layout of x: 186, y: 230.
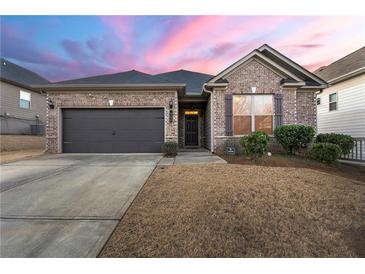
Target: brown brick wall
x: 255, y: 74
x: 307, y: 108
x: 96, y: 99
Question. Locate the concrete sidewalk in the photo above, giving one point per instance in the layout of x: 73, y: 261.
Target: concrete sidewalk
x: 192, y: 157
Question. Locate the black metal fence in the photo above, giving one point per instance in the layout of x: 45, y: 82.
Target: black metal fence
x: 358, y: 151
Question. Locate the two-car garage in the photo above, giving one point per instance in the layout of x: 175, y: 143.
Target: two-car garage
x: 112, y: 130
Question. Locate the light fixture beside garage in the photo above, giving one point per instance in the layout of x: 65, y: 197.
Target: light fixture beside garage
x: 111, y: 103
x: 171, y: 114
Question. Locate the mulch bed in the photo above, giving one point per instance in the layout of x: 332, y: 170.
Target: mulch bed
x: 242, y: 211
x: 351, y: 171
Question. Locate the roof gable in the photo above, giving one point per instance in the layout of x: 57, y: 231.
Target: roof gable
x: 277, y: 62
x: 19, y: 75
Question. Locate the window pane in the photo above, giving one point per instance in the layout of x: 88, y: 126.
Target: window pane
x: 333, y: 106
x: 24, y: 95
x: 333, y: 97
x: 263, y: 105
x: 241, y: 105
x: 24, y: 104
x: 263, y: 123
x: 241, y: 125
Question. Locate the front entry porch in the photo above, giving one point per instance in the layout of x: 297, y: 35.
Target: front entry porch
x: 192, y: 125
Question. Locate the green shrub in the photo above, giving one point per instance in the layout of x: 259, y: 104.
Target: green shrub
x: 169, y: 148
x: 345, y: 142
x: 294, y: 137
x: 325, y: 152
x: 255, y: 143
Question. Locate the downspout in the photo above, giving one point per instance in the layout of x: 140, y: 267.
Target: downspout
x: 211, y: 117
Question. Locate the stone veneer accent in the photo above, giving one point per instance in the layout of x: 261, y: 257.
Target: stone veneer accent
x: 100, y: 99
x: 255, y: 74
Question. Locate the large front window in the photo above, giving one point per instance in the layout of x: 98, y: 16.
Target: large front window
x: 252, y: 113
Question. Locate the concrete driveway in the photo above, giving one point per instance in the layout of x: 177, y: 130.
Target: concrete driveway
x: 67, y: 205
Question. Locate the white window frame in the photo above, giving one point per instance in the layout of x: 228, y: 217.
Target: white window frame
x: 253, y: 114
x: 25, y: 94
x: 329, y: 102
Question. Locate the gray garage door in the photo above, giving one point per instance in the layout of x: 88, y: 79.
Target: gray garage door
x: 112, y: 130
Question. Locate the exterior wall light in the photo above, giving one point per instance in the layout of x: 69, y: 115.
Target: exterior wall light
x: 171, y: 104
x: 111, y: 102
x: 253, y: 89
x: 50, y: 104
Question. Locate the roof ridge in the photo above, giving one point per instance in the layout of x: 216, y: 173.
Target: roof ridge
x: 192, y: 71
x: 103, y: 75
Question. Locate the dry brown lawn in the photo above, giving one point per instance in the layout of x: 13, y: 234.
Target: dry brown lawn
x: 13, y: 156
x: 242, y: 211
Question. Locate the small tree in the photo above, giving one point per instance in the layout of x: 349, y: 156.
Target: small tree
x: 255, y: 144
x: 294, y: 137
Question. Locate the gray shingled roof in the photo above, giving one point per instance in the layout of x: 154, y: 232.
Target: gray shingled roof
x: 19, y: 75
x: 347, y: 64
x: 194, y: 80
x: 127, y: 77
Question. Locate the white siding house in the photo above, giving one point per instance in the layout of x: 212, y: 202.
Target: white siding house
x: 349, y: 117
x: 341, y: 106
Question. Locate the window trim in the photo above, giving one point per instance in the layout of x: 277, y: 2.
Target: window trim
x: 253, y: 125
x: 20, y: 99
x: 335, y: 102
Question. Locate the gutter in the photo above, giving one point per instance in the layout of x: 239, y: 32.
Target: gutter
x: 29, y: 87
x: 347, y: 75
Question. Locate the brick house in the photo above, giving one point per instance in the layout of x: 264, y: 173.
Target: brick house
x: 136, y: 112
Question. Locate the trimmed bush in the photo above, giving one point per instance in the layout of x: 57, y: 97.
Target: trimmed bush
x: 294, y: 137
x: 255, y: 143
x: 345, y: 142
x: 325, y: 152
x: 169, y: 148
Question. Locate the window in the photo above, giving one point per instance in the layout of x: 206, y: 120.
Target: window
x: 24, y: 99
x: 318, y: 101
x: 333, y: 101
x: 252, y: 113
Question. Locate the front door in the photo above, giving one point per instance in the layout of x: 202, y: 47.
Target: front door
x: 191, y: 130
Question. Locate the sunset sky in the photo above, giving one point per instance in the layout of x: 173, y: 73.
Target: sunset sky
x: 65, y: 47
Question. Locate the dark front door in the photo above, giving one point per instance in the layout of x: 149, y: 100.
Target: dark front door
x: 191, y: 130
x: 112, y: 130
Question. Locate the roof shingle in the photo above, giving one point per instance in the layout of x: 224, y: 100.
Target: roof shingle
x: 126, y: 77
x: 19, y: 75
x: 194, y: 80
x: 345, y: 65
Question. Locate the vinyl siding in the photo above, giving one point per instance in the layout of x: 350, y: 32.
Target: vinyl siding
x: 349, y: 118
x: 20, y: 119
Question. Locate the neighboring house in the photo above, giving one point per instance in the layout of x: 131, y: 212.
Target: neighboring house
x: 21, y: 105
x: 136, y: 112
x: 341, y: 106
